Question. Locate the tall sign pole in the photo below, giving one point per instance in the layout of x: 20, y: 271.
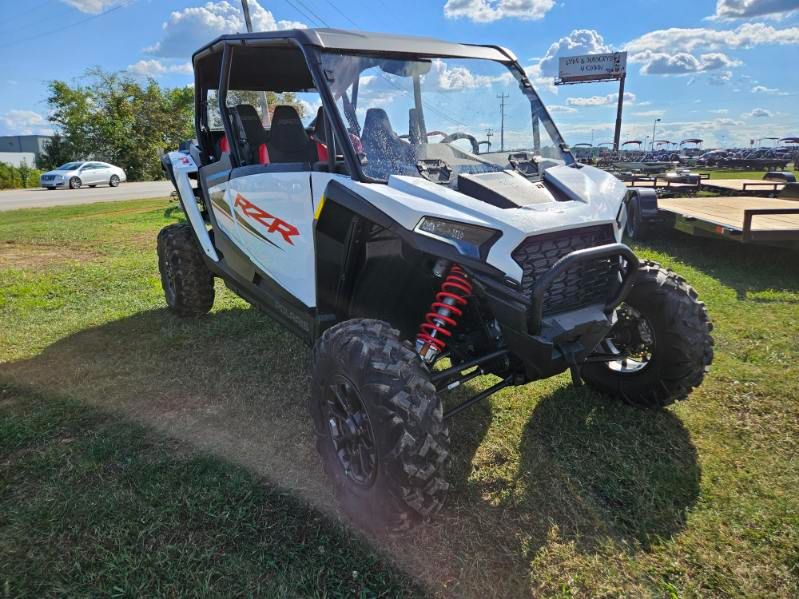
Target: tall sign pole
x: 619, y: 107
x: 591, y: 68
x: 245, y: 7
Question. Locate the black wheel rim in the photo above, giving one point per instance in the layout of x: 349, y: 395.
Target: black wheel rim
x: 351, y: 431
x: 633, y: 338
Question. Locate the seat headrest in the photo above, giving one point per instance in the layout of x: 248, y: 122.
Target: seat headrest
x: 376, y: 118
x: 319, y: 125
x: 246, y: 112
x: 288, y: 132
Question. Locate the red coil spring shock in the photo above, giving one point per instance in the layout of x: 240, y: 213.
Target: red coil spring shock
x: 444, y: 312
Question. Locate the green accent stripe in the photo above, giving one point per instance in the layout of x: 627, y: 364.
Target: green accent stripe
x: 253, y: 231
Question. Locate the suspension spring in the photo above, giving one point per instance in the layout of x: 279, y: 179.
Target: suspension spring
x: 443, y: 314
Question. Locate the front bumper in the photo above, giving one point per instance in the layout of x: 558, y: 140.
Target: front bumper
x: 547, y: 344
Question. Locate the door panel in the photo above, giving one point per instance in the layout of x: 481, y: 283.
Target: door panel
x: 274, y: 217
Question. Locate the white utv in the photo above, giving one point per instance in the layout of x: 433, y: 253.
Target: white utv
x: 413, y: 262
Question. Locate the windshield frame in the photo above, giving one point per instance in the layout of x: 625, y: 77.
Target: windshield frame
x: 537, y: 106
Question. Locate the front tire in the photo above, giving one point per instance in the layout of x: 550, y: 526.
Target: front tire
x: 188, y: 284
x: 665, y: 330
x: 379, y: 426
x: 74, y: 183
x: 114, y: 181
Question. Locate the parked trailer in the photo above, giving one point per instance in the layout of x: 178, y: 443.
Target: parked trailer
x: 743, y: 187
x: 746, y: 219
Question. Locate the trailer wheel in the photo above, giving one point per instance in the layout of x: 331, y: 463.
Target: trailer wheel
x: 188, y: 284
x: 636, y: 227
x: 664, y: 332
x: 379, y: 426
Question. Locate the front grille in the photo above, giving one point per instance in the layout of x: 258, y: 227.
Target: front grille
x: 582, y: 284
x: 48, y: 177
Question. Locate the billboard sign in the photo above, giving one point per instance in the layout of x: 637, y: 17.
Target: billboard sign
x: 591, y: 67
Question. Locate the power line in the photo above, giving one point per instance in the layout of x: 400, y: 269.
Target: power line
x: 33, y: 9
x: 65, y: 27
x: 342, y: 13
x: 307, y: 13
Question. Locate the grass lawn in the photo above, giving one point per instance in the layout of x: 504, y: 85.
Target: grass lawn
x: 143, y: 454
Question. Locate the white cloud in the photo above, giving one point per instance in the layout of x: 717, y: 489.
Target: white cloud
x: 722, y: 78
x: 24, y: 122
x: 579, y: 41
x: 156, y: 68
x: 674, y: 40
x: 719, y: 111
x: 443, y: 78
x: 486, y: 11
x: 758, y: 113
x: 744, y: 9
x: 93, y: 6
x: 771, y: 91
x: 609, y: 100
x: 560, y: 109
x: 187, y: 30
x: 682, y: 63
x: 649, y: 113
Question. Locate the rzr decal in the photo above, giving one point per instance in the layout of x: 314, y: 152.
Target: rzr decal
x: 272, y: 223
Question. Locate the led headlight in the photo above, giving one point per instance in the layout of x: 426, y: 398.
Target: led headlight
x: 470, y: 240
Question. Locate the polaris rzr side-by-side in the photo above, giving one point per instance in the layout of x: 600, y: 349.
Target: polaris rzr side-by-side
x: 339, y: 182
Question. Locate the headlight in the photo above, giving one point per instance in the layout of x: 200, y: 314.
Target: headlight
x: 621, y: 217
x: 58, y: 177
x: 470, y: 240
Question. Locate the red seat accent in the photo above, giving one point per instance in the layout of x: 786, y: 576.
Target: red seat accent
x: 224, y: 146
x: 263, y: 154
x: 321, y: 151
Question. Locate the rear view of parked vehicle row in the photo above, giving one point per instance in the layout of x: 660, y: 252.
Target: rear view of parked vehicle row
x: 365, y: 214
x: 74, y: 175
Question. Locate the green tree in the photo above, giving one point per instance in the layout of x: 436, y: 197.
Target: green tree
x: 57, y: 152
x: 115, y: 118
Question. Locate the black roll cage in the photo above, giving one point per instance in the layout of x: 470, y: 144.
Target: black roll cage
x: 313, y: 60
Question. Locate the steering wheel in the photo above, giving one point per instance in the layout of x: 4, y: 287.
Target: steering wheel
x: 458, y: 135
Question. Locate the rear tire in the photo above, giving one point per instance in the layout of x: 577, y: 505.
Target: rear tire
x: 188, y: 284
x: 361, y: 366
x: 681, y: 349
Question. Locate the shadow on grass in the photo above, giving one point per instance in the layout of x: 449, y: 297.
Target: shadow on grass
x: 234, y: 383
x: 749, y: 269
x: 598, y: 468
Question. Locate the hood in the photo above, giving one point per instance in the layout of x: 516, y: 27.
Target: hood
x: 62, y: 173
x: 567, y: 197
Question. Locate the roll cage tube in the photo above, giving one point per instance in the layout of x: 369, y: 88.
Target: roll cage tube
x: 314, y: 67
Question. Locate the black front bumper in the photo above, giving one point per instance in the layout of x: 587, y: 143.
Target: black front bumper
x: 549, y: 343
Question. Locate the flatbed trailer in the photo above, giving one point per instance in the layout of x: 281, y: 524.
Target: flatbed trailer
x: 746, y: 219
x: 742, y: 187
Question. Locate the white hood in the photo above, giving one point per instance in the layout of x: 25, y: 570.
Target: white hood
x: 591, y: 196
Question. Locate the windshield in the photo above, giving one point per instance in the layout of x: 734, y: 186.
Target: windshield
x: 69, y: 166
x: 440, y: 117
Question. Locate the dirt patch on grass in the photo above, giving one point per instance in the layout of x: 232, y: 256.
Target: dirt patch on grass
x: 30, y: 255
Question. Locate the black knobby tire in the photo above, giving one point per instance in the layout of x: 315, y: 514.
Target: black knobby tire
x: 114, y: 181
x: 405, y: 416
x: 683, y: 346
x: 188, y: 284
x: 75, y: 183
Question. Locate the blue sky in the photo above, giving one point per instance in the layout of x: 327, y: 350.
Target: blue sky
x: 723, y: 70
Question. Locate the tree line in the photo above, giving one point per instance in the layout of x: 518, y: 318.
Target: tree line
x: 116, y: 118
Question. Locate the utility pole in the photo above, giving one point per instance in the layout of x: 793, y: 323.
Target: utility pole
x: 619, y: 106
x: 489, y: 133
x: 245, y: 7
x: 501, y: 98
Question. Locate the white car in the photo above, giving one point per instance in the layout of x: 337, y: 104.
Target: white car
x: 76, y: 174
